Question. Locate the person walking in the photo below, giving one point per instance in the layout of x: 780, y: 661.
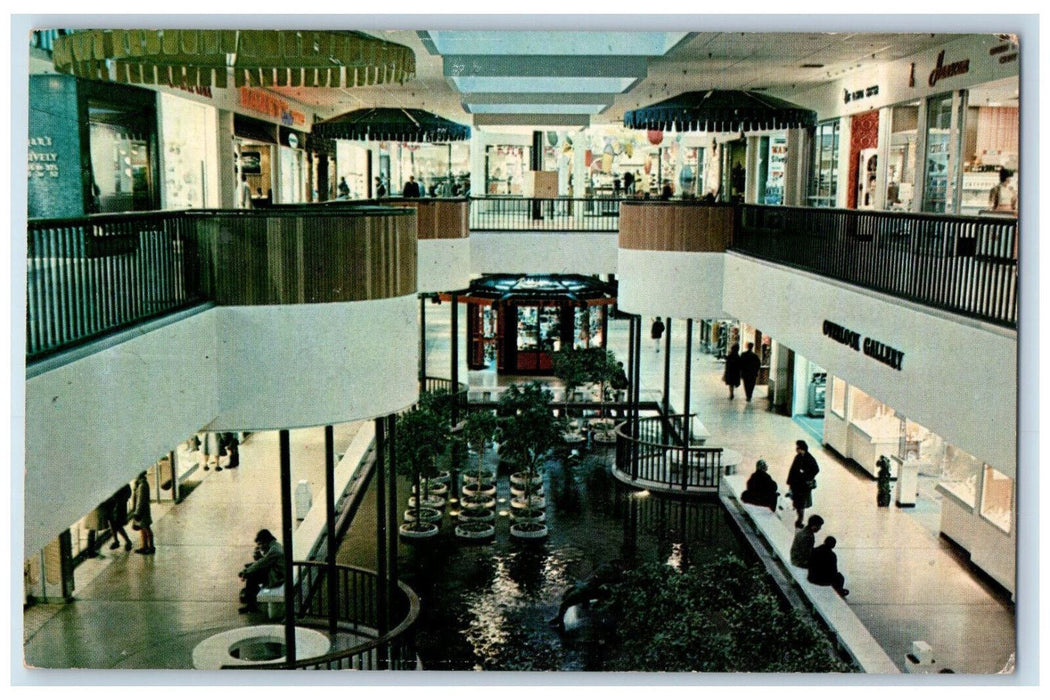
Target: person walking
x: 411, y: 188
x: 141, y: 513
x: 824, y: 568
x: 117, y: 517
x: 246, y: 193
x: 749, y: 367
x: 801, y: 479
x: 344, y: 189
x: 805, y: 539
x: 731, y: 375
x: 380, y: 189
x: 657, y: 332
x: 266, y: 570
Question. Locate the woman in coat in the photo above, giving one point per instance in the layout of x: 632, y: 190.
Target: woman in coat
x: 141, y: 514
x: 732, y: 374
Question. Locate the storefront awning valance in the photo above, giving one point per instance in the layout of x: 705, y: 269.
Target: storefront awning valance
x: 571, y: 289
x: 392, y: 124
x: 253, y: 57
x: 722, y: 111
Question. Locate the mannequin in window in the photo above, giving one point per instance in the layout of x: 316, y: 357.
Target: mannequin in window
x: 1003, y: 196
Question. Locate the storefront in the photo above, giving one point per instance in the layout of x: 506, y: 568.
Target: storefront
x: 975, y: 502
x: 188, y: 155
x: 516, y: 323
x: 254, y: 144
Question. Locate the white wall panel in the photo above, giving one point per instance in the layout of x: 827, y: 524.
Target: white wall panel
x: 671, y: 283
x: 543, y: 253
x: 442, y: 264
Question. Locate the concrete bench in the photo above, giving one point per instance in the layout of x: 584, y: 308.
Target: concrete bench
x: 274, y: 600
x: 779, y: 531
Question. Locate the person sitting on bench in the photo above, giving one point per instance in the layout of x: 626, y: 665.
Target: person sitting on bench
x: 824, y: 568
x: 267, y: 571
x: 761, y: 489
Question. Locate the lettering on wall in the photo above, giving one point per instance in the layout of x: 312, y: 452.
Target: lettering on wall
x: 265, y: 103
x: 42, y: 163
x: 875, y: 349
x: 1007, y: 53
x: 949, y: 70
x: 869, y: 91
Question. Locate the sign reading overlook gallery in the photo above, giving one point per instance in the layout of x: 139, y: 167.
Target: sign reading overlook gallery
x: 874, y: 349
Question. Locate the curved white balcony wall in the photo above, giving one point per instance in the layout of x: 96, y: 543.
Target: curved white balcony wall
x: 670, y: 283
x: 98, y: 421
x: 543, y: 253
x: 443, y: 264
x: 292, y: 366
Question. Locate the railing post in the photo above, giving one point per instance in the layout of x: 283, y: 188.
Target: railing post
x: 329, y: 508
x: 286, y: 537
x: 667, y: 369
x: 381, y: 543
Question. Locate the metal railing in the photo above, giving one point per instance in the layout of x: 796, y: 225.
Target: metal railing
x: 965, y: 265
x: 89, y: 276
x: 538, y: 214
x: 658, y: 455
x: 359, y: 614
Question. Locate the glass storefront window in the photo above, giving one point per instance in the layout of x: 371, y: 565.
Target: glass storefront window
x: 942, y: 149
x: 823, y: 183
x: 505, y: 168
x: 900, y: 185
x: 872, y: 416
x: 838, y: 397
x: 997, y: 498
x: 959, y: 472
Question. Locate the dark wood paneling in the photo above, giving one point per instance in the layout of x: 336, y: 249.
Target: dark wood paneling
x: 675, y: 226
x: 437, y: 218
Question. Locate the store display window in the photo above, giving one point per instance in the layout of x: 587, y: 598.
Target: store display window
x: 997, y: 498
x: 838, y: 397
x: 505, y: 168
x: 872, y: 416
x: 959, y: 473
x: 900, y: 173
x: 823, y: 184
x: 942, y: 150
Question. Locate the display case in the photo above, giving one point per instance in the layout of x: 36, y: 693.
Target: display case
x: 959, y: 473
x: 874, y: 430
x: 997, y: 498
x: 823, y: 186
x: 975, y: 191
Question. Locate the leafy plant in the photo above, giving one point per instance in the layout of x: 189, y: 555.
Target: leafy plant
x: 718, y: 617
x: 478, y: 429
x: 528, y: 429
x: 576, y: 368
x: 422, y: 437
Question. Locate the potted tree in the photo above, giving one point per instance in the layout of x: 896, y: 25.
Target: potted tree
x: 477, y: 517
x: 422, y: 437
x: 528, y: 432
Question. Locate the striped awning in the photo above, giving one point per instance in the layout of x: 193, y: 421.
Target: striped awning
x: 721, y: 111
x: 219, y: 57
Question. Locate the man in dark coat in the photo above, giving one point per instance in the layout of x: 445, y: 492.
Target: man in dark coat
x: 824, y: 568
x: 266, y: 571
x: 656, y: 331
x: 411, y: 188
x: 749, y: 366
x: 801, y: 479
x: 761, y: 489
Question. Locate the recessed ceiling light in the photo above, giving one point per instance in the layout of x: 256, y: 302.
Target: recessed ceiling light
x: 812, y: 65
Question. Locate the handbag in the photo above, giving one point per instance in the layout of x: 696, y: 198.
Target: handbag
x: 812, y: 483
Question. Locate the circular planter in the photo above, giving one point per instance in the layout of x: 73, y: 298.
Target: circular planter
x: 472, y: 477
x: 479, y: 490
x: 428, y: 502
x: 534, y: 502
x: 441, y: 478
x: 519, y: 479
x: 435, y: 489
x: 519, y: 491
x: 475, y: 530
x: 478, y: 502
x: 528, y: 531
x: 477, y: 515
x: 426, y: 515
x: 528, y: 515
x: 418, y: 531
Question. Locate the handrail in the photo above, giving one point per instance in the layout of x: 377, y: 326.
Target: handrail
x: 544, y: 214
x: 961, y: 264
x: 393, y: 650
x: 657, y: 456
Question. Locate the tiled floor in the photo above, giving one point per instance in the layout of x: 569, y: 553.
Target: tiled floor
x: 149, y: 612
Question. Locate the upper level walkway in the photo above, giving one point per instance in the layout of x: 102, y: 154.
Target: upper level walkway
x: 91, y: 276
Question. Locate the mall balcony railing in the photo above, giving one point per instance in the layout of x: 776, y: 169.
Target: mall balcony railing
x: 960, y: 264
x: 656, y: 455
x: 544, y: 214
x: 388, y: 642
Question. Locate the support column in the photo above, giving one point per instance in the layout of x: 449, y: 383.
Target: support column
x: 455, y: 357
x: 688, y: 378
x: 286, y: 542
x: 636, y: 411
x: 329, y: 511
x: 631, y: 370
x: 422, y: 343
x: 667, y: 370
x: 392, y: 515
x: 382, y: 605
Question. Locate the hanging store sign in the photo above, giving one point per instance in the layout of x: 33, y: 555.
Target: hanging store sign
x: 877, y: 350
x: 948, y: 70
x: 265, y: 103
x: 852, y: 96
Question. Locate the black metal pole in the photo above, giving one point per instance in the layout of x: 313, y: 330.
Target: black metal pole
x: 329, y: 510
x: 631, y: 370
x: 455, y: 358
x: 381, y: 556
x: 286, y: 540
x: 688, y: 377
x: 392, y: 506
x: 667, y: 370
x: 636, y: 409
x: 422, y: 343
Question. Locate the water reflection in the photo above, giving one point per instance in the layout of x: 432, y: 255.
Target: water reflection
x: 486, y: 606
